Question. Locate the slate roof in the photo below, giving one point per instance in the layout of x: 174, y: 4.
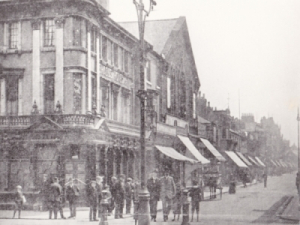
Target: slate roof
x: 157, y: 32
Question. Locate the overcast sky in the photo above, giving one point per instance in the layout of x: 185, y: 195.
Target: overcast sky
x: 246, y: 46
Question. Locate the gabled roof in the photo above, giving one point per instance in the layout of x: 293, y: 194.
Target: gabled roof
x: 157, y: 32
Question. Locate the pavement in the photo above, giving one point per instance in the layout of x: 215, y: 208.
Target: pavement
x: 291, y: 212
x: 252, y: 205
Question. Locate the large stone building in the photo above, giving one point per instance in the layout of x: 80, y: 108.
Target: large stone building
x: 69, y: 77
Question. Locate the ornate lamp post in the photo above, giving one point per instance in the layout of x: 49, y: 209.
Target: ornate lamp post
x: 142, y: 13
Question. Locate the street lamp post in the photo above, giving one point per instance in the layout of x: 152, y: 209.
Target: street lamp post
x: 298, y: 119
x: 142, y: 13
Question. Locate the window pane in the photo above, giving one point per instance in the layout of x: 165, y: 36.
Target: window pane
x: 94, y: 98
x: 13, y: 35
x: 109, y: 51
x: 12, y: 95
x: 104, y: 48
x: 126, y: 61
x: 49, y: 27
x: 77, y: 94
x: 121, y: 63
x: 105, y: 99
x: 77, y: 30
x: 49, y: 93
x: 116, y: 55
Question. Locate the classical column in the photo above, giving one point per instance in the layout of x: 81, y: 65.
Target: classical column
x: 36, y: 77
x: 98, y: 73
x: 89, y: 72
x: 59, y: 62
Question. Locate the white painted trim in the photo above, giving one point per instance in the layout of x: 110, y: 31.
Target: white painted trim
x: 89, y: 77
x: 20, y: 97
x: 59, y: 65
x: 98, y: 99
x: 3, y: 96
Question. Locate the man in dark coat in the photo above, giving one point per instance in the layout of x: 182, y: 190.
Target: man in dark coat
x: 128, y: 194
x: 195, y: 193
x: 113, y: 193
x: 44, y: 193
x: 119, y: 197
x: 55, y: 198
x: 72, y: 194
x: 154, y: 190
x: 92, y: 195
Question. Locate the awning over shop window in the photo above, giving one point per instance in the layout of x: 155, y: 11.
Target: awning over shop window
x: 283, y: 163
x: 213, y: 150
x: 273, y: 163
x: 259, y: 161
x: 190, y: 146
x: 279, y: 164
x: 236, y: 159
x: 243, y: 158
x: 172, y: 153
x: 253, y: 161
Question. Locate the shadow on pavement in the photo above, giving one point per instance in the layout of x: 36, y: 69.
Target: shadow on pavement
x: 271, y: 215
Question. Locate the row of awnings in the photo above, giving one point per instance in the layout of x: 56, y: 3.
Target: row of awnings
x: 244, y: 161
x: 172, y: 153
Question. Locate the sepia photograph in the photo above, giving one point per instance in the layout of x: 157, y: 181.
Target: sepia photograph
x: 145, y: 112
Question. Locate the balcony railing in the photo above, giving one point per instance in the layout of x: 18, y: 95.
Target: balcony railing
x: 63, y: 119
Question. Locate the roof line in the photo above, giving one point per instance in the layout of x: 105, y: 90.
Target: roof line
x: 176, y: 18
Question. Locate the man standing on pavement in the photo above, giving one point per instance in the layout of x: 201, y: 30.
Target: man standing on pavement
x: 72, y: 194
x: 99, y: 186
x: 55, y: 198
x: 154, y: 189
x: 167, y: 193
x: 44, y: 193
x: 265, y: 176
x: 120, y: 194
x: 92, y: 195
x: 128, y: 194
x: 113, y: 193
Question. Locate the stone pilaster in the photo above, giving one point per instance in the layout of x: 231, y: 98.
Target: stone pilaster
x: 59, y: 62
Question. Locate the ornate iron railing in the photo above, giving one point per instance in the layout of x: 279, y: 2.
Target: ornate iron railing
x: 63, y: 119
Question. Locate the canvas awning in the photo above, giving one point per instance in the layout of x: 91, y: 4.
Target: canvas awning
x: 273, y: 163
x: 213, y: 150
x: 279, y: 164
x: 236, y: 159
x: 260, y: 162
x: 253, y: 161
x: 172, y: 153
x: 191, y: 147
x: 243, y: 158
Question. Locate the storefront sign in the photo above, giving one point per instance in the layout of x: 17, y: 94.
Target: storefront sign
x: 115, y: 76
x: 165, y: 129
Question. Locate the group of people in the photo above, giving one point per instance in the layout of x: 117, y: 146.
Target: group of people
x: 172, y: 196
x: 118, y: 193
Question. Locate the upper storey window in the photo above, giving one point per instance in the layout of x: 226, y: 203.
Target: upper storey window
x: 104, y: 48
x: 93, y: 39
x: 78, y: 26
x: 13, y: 33
x: 49, y: 28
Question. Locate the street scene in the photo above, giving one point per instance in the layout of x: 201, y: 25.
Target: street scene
x: 149, y: 112
x: 252, y: 205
